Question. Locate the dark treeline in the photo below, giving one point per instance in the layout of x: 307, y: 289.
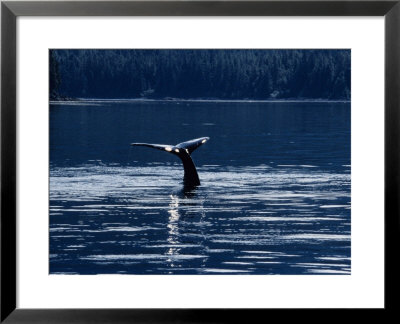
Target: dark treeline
x: 190, y: 74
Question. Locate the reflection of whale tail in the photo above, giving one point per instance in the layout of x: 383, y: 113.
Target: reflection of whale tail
x: 183, y: 151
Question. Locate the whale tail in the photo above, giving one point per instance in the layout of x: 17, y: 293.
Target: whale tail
x: 183, y: 151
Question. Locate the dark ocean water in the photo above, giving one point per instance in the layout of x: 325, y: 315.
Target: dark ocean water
x: 274, y: 195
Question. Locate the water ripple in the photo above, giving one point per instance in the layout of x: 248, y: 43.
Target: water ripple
x: 258, y: 219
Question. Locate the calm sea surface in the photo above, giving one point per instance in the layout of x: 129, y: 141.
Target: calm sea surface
x: 274, y: 195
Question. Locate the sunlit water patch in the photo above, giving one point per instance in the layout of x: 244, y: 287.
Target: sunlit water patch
x: 257, y: 220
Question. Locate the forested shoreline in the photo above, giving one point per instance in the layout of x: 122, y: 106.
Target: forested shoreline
x: 200, y: 74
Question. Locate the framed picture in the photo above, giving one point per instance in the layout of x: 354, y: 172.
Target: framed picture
x: 182, y: 156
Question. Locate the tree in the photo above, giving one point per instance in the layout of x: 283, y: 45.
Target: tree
x: 54, y: 75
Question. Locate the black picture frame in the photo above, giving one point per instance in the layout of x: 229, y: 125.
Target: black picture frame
x: 10, y: 10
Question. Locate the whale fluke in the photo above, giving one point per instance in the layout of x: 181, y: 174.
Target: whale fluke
x: 183, y: 151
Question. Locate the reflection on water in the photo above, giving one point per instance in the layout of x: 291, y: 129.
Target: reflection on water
x: 281, y: 207
x: 262, y: 220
